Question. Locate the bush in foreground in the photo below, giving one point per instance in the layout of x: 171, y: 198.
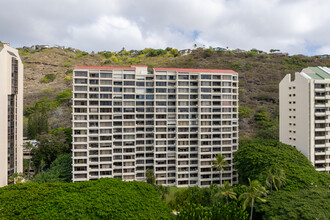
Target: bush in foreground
x: 101, y: 199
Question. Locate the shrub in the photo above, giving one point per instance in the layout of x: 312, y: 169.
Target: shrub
x: 67, y: 79
x: 48, y: 78
x: 101, y: 199
x: 68, y: 71
x: 236, y: 66
x: 244, y: 112
x: 63, y: 97
x: 68, y: 64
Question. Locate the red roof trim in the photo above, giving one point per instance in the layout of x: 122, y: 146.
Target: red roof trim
x: 133, y: 67
x: 104, y: 67
x: 195, y: 70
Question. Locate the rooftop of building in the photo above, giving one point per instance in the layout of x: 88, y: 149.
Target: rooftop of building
x: 133, y: 67
x: 317, y: 73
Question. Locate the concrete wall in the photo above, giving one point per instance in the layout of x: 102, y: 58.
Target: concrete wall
x: 296, y: 112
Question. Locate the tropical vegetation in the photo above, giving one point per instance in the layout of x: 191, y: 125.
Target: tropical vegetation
x: 101, y: 199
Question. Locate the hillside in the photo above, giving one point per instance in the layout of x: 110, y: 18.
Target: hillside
x: 259, y: 75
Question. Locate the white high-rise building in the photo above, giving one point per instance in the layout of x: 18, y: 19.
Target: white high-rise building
x: 174, y: 121
x: 11, y: 113
x: 305, y: 114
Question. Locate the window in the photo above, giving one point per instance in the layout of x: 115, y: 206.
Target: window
x: 205, y: 76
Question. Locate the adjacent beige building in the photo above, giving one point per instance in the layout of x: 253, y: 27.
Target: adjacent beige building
x: 305, y: 114
x: 171, y: 120
x: 11, y: 113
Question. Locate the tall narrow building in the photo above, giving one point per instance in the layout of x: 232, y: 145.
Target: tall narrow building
x: 174, y: 121
x: 11, y: 113
x: 305, y: 114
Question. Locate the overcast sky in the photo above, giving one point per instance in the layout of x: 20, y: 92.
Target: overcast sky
x: 294, y: 26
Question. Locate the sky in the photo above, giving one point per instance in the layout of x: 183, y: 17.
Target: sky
x: 292, y: 26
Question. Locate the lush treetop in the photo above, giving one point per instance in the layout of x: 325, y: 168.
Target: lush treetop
x: 101, y: 199
x: 255, y: 156
x: 312, y: 203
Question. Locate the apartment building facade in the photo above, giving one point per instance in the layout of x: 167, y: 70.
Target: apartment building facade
x: 305, y: 114
x: 11, y: 113
x: 174, y: 121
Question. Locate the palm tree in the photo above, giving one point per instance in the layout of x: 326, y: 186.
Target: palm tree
x: 275, y: 176
x: 228, y: 191
x: 218, y: 163
x: 252, y: 192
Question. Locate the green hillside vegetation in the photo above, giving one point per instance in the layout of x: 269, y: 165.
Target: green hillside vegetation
x: 101, y: 199
x: 259, y: 75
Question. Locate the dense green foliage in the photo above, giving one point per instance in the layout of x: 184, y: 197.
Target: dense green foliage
x: 49, y: 147
x: 206, y: 196
x: 230, y: 211
x: 60, y: 171
x: 101, y: 199
x: 312, y: 203
x: 306, y: 192
x: 254, y: 157
x: 253, y: 193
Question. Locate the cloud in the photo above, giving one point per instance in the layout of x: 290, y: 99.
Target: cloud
x: 294, y: 26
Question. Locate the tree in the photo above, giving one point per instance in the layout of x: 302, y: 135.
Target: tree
x: 28, y: 146
x: 275, y: 176
x: 274, y: 50
x: 228, y: 191
x: 309, y: 203
x: 219, y: 163
x: 60, y: 171
x: 231, y: 211
x: 150, y: 175
x: 106, y: 198
x: 254, y: 191
x: 37, y: 122
x: 255, y: 156
x: 49, y: 147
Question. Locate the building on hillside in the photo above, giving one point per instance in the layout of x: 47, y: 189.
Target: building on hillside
x: 11, y: 113
x: 173, y: 121
x: 239, y: 51
x: 305, y: 114
x: 185, y: 52
x: 220, y: 49
x: 324, y: 56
